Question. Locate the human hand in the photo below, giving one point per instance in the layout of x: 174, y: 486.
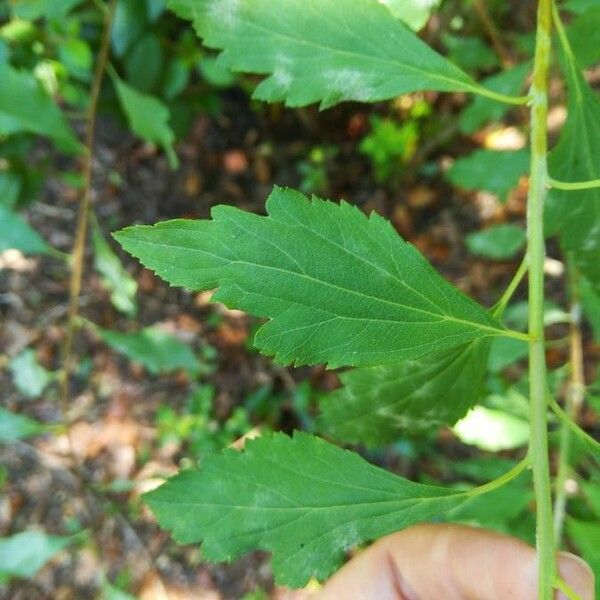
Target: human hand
x: 450, y: 562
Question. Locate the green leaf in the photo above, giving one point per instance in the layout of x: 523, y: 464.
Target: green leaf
x: 76, y: 55
x: 575, y: 215
x: 338, y: 287
x: 130, y: 20
x: 415, y: 13
x: 325, y: 51
x: 16, y: 427
x: 302, y: 499
x: 505, y: 352
x: 496, y: 509
x: 10, y: 188
x: 30, y: 378
x: 591, y: 491
x: 495, y: 171
x: 49, y: 9
x: 590, y: 302
x: 492, y: 430
x: 586, y: 537
x: 144, y: 63
x: 215, y: 72
x: 578, y: 6
x: 158, y: 351
x: 377, y: 404
x: 148, y: 117
x: 483, y: 110
x: 116, y: 279
x: 16, y: 234
x: 469, y: 52
x: 498, y: 242
x: 24, y: 554
x: 24, y: 106
x: 110, y: 592
x: 584, y: 37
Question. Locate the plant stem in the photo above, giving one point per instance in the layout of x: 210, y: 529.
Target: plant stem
x: 486, y: 92
x: 490, y: 486
x: 500, y: 306
x: 574, y: 399
x: 575, y: 185
x: 538, y: 446
x: 77, y: 254
x: 492, y: 33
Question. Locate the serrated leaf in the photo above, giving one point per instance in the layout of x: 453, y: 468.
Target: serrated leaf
x: 157, y: 350
x: 17, y: 234
x: 491, y: 170
x: 325, y: 51
x: 148, y: 117
x: 415, y: 13
x: 29, y: 377
x: 483, y: 110
x: 115, y: 278
x: 24, y: 106
x: 24, y: 554
x: 302, y: 499
x: 377, y: 404
x: 338, y: 287
x: 498, y: 242
x: 575, y: 215
x: 16, y: 427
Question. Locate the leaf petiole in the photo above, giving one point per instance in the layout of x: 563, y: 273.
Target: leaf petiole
x: 580, y: 433
x: 500, y: 306
x: 490, y: 486
x: 506, y: 99
x: 575, y: 185
x: 561, y: 585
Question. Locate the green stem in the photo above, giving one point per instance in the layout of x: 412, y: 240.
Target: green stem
x: 575, y: 185
x: 487, y: 93
x: 564, y: 418
x: 490, y: 486
x: 500, y: 306
x: 538, y: 446
x: 566, y: 589
x: 78, y: 251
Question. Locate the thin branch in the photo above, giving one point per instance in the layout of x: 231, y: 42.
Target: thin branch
x: 77, y: 254
x: 574, y: 400
x: 492, y: 33
x: 500, y: 306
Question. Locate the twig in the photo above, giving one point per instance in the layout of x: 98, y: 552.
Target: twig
x: 493, y: 35
x: 77, y: 254
x: 574, y: 399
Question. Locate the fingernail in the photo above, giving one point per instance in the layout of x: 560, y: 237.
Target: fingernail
x: 577, y: 574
